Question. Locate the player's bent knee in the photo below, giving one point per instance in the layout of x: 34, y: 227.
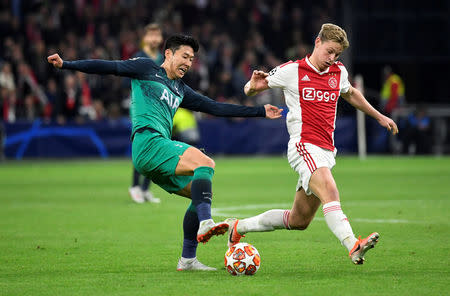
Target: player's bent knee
x: 212, y: 163
x: 208, y: 162
x: 299, y: 224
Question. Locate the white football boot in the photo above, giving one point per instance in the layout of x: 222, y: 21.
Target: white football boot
x: 136, y: 194
x: 148, y: 196
x: 192, y: 264
x: 361, y: 246
x: 208, y: 228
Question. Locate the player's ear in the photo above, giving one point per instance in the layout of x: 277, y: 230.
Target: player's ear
x: 317, y: 41
x: 168, y: 53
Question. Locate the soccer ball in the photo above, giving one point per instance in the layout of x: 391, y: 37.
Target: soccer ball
x: 242, y: 258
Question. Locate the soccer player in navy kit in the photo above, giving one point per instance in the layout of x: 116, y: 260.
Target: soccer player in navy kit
x: 151, y: 42
x: 312, y: 87
x: 157, y: 92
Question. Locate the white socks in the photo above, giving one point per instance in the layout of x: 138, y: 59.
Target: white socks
x: 279, y: 219
x: 267, y: 221
x: 338, y: 224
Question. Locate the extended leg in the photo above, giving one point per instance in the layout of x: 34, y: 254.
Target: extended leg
x: 299, y: 217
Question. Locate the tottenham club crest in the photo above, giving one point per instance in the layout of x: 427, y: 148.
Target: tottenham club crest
x: 332, y: 82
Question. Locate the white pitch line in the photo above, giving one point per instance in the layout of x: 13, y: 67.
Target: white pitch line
x: 230, y: 212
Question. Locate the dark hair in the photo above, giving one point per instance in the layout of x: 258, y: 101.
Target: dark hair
x: 175, y: 41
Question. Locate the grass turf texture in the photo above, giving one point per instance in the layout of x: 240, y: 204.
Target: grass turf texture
x: 70, y: 228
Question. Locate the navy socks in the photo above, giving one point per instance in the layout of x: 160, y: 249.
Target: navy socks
x: 198, y: 210
x: 190, y: 228
x: 201, y: 192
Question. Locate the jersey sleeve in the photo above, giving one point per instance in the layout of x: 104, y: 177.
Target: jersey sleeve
x: 344, y: 84
x: 136, y: 67
x: 197, y: 102
x: 280, y: 76
x: 133, y: 68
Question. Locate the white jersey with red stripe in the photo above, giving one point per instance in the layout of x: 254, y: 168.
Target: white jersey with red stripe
x: 311, y: 97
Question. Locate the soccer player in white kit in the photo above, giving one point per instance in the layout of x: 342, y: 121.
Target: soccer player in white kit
x: 311, y: 88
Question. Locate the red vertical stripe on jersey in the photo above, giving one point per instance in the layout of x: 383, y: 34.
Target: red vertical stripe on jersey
x: 318, y: 96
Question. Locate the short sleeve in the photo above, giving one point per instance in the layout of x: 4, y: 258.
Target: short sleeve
x: 344, y: 84
x: 280, y: 76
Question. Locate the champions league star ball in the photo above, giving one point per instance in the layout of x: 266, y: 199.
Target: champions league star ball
x: 242, y: 258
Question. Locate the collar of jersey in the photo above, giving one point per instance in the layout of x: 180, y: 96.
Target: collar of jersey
x: 314, y: 68
x: 163, y: 72
x: 174, y: 83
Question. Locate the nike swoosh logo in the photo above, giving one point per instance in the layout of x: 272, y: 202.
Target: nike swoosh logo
x: 231, y: 235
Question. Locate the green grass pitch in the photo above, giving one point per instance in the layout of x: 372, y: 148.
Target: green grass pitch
x: 70, y: 228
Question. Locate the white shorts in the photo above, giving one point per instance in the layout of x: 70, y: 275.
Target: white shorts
x: 305, y: 158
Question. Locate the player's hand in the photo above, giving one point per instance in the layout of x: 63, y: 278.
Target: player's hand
x: 389, y: 124
x: 258, y: 80
x: 272, y: 112
x: 257, y: 83
x: 55, y: 60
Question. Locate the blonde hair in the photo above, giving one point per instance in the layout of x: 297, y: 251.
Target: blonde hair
x: 331, y: 32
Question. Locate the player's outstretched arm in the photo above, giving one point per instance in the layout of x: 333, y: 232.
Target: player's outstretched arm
x: 87, y: 66
x: 128, y: 68
x: 257, y: 83
x: 196, y: 102
x: 357, y: 100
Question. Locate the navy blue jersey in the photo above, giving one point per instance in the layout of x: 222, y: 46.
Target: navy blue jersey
x: 155, y: 98
x: 158, y: 60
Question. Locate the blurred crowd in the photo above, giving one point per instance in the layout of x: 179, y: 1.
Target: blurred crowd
x: 236, y: 37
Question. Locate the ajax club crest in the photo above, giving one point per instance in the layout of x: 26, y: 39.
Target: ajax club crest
x: 332, y: 82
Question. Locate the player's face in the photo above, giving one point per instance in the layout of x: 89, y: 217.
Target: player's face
x: 326, y: 53
x: 153, y: 39
x: 179, y: 61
